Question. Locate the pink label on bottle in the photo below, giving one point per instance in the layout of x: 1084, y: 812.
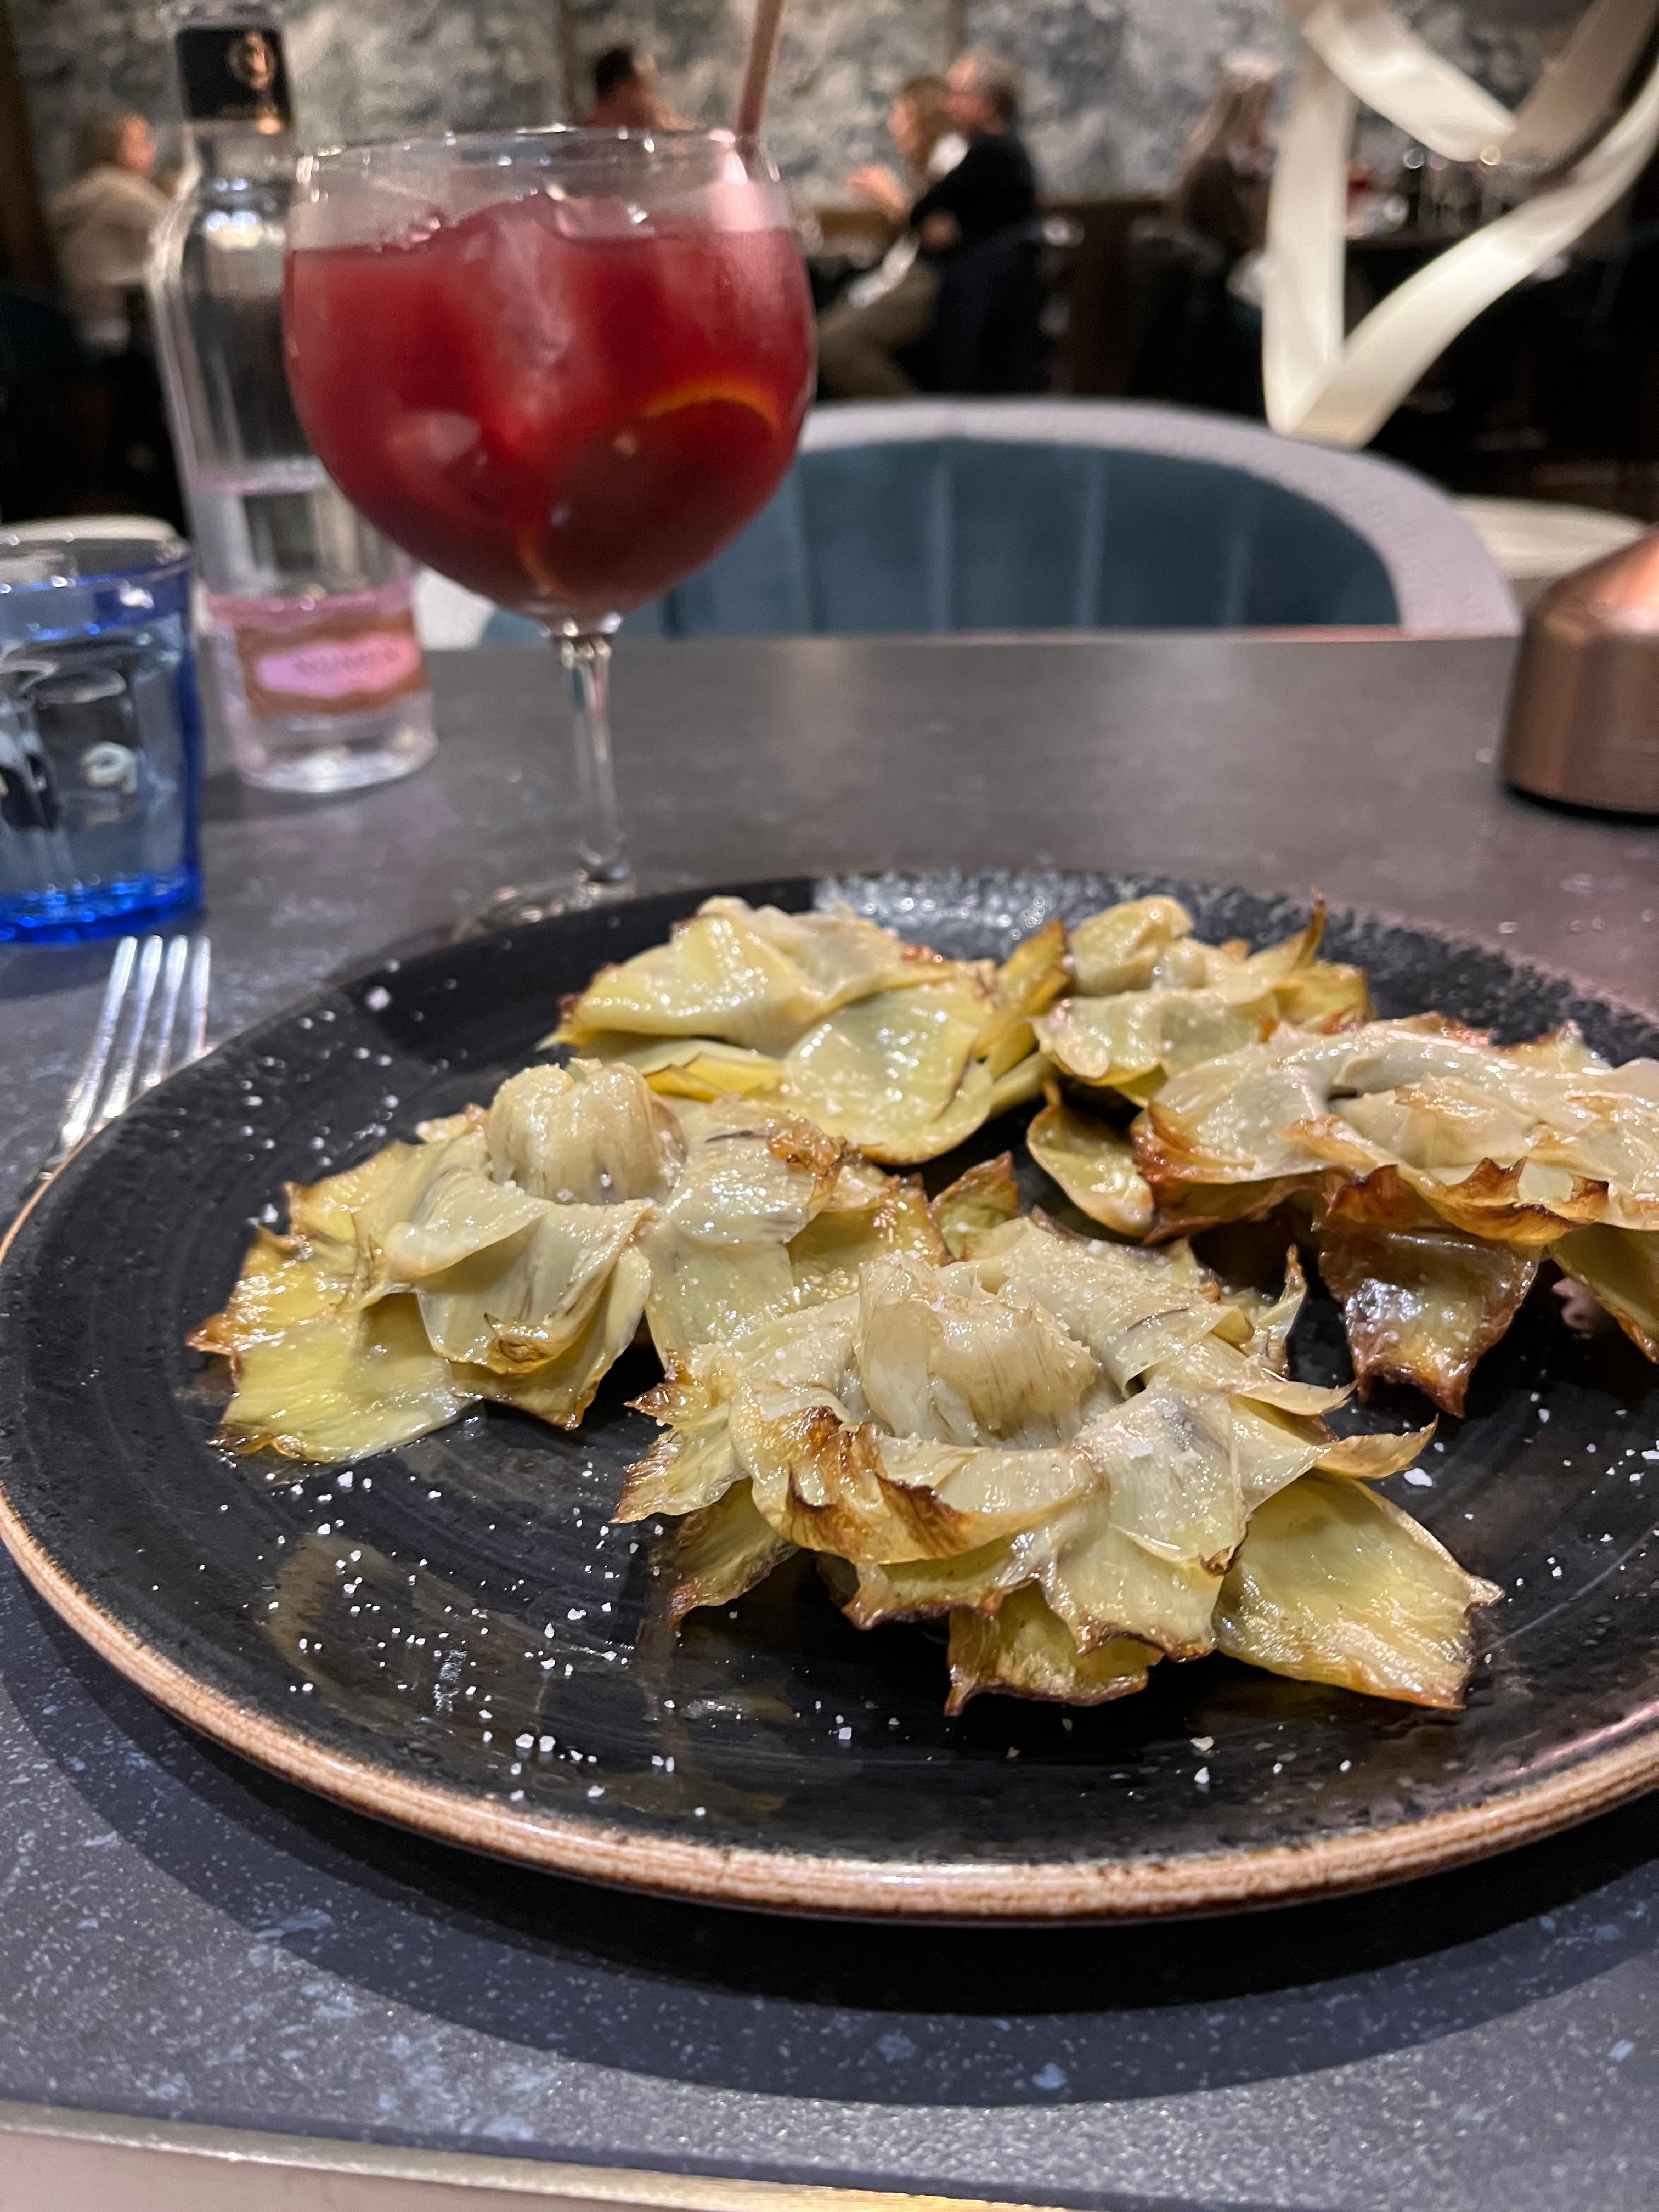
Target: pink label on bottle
x: 339, y: 668
x: 340, y: 658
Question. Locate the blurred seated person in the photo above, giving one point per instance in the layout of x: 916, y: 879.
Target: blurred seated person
x: 1221, y: 193
x: 103, y: 222
x: 1196, y: 297
x: 991, y: 188
x: 918, y: 123
x: 625, y: 95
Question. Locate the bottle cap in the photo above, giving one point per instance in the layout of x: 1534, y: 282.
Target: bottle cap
x: 235, y: 73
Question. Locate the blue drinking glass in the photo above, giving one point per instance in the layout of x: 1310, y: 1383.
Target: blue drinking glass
x: 101, y: 731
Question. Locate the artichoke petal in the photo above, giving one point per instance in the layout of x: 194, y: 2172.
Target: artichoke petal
x: 1421, y: 1304
x: 983, y: 1197
x: 342, y: 1386
x: 748, y: 976
x: 1129, y: 1308
x: 1118, y: 949
x: 835, y: 1487
x: 895, y: 1075
x: 1103, y: 1584
x: 925, y: 1590
x: 1335, y: 1583
x: 723, y: 1552
x: 1172, y: 1473
x: 284, y: 1281
x: 526, y: 1301
x: 1024, y: 1649
x: 560, y: 1390
x: 1094, y: 1164
x: 965, y: 1370
x: 1619, y: 1267
x: 693, y: 1464
x: 1032, y: 976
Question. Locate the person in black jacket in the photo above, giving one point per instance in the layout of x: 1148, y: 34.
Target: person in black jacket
x: 994, y: 185
x: 991, y: 189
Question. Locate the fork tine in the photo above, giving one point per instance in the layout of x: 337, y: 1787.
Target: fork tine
x: 77, y: 1111
x: 201, y: 969
x: 161, y: 1049
x: 120, y: 1089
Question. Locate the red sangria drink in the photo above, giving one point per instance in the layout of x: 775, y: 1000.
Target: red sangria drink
x: 559, y: 407
x: 562, y: 367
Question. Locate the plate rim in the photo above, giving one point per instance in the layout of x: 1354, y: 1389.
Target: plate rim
x: 842, y: 1886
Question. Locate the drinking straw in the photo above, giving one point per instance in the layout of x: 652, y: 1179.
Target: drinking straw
x: 757, y: 70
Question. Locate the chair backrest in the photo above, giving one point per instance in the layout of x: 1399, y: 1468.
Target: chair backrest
x: 39, y: 346
x: 940, y: 516
x: 52, y: 444
x: 988, y: 322
x: 1176, y: 283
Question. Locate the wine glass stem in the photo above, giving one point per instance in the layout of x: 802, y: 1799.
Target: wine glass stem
x: 604, y: 854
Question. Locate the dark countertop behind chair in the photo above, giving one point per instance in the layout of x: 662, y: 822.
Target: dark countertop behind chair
x: 182, y: 1939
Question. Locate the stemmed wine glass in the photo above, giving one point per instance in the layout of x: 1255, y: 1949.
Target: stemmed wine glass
x: 562, y: 366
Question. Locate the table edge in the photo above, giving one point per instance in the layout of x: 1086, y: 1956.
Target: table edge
x: 199, y: 2168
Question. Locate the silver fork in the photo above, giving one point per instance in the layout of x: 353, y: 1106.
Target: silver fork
x: 133, y: 1042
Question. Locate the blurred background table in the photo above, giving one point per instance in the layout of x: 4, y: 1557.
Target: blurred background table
x: 218, y: 1993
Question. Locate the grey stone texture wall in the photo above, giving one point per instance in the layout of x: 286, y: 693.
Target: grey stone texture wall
x: 1114, y: 85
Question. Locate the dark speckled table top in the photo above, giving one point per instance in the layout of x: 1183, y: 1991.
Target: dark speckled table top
x: 182, y: 1938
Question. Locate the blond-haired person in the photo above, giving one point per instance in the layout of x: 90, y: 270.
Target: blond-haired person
x: 991, y: 187
x: 103, y: 222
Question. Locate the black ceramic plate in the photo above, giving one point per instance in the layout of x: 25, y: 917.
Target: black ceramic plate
x: 455, y: 1638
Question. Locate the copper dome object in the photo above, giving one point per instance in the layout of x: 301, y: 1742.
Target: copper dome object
x: 1584, y: 719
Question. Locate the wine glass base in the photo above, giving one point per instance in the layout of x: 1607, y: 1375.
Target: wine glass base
x: 514, y: 906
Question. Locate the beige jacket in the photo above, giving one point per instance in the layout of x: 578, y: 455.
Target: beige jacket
x: 103, y: 221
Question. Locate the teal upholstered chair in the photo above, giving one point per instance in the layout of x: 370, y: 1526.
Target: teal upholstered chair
x: 932, y: 516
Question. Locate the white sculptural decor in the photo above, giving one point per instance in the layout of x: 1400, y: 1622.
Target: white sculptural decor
x: 1341, y: 390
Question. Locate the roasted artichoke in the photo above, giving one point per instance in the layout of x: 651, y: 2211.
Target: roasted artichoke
x: 884, y: 1044
x: 1082, y: 1450
x: 1076, y: 1425
x: 513, y: 1254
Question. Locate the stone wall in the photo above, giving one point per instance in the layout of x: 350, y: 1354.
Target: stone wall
x: 1114, y: 85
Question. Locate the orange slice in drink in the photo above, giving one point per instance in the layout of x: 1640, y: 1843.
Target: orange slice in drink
x: 715, y: 391
x: 528, y: 543
x: 649, y: 473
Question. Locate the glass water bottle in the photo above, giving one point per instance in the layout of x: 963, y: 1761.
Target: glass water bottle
x: 308, y: 623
